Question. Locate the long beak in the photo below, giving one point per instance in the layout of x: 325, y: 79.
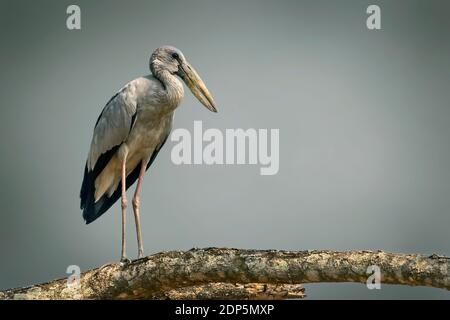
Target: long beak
x: 195, y: 83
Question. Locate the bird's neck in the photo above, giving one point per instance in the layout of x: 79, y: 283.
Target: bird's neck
x: 173, y: 86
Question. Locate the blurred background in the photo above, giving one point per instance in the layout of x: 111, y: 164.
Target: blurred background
x: 363, y: 116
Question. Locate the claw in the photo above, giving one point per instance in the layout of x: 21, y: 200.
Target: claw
x: 124, y: 261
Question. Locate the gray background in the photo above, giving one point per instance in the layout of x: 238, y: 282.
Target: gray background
x: 363, y: 118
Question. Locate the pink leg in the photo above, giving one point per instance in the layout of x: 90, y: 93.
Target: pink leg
x: 124, y: 209
x: 137, y: 208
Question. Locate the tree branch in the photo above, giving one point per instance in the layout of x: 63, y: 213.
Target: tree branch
x: 211, y: 273
x: 230, y: 291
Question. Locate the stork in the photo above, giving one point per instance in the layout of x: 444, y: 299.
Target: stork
x: 129, y: 133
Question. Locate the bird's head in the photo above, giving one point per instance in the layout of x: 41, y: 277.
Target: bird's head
x: 170, y: 59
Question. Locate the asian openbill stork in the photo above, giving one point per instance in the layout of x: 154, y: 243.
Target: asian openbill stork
x: 131, y: 130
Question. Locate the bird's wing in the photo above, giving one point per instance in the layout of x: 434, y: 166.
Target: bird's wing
x: 113, y: 125
x: 111, y: 130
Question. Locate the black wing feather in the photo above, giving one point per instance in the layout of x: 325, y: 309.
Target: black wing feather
x: 93, y: 210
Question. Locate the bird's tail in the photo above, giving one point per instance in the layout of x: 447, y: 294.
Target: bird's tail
x: 94, y: 209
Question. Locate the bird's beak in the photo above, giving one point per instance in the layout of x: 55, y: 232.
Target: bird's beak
x: 197, y: 86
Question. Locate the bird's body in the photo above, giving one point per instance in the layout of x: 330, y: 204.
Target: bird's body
x: 131, y: 130
x: 143, y: 107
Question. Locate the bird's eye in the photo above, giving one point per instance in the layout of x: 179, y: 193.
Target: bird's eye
x: 175, y: 55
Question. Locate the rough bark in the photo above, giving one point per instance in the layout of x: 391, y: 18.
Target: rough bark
x: 213, y: 272
x: 231, y: 291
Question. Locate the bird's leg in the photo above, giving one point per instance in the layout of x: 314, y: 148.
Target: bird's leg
x: 123, y: 258
x: 137, y: 208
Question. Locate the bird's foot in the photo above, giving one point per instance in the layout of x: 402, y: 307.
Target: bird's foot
x: 140, y: 255
x: 124, y: 261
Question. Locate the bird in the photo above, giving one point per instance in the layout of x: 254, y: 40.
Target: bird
x: 131, y: 130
